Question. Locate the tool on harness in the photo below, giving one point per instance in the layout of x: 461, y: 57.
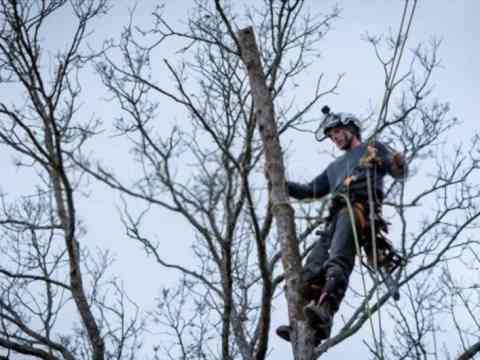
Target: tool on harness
x: 388, y: 259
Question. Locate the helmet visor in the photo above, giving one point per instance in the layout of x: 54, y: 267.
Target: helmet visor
x: 330, y: 121
x: 335, y: 120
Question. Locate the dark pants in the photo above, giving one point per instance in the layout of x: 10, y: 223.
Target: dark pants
x: 331, y: 261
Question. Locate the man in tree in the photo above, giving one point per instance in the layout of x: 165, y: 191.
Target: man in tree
x: 331, y: 261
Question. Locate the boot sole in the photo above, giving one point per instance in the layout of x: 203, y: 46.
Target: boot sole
x: 285, y: 335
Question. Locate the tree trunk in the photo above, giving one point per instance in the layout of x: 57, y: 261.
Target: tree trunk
x: 302, y: 339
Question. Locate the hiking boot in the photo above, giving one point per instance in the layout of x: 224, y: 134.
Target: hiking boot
x: 283, y: 331
x: 320, y: 318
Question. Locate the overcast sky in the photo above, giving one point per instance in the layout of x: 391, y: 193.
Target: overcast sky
x: 344, y: 51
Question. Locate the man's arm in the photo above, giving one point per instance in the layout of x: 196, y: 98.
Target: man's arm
x: 393, y: 162
x: 315, y: 189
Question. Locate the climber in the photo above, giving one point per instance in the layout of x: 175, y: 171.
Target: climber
x: 331, y: 260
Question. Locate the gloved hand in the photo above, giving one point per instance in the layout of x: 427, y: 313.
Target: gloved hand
x: 397, y: 166
x: 398, y: 160
x: 371, y: 157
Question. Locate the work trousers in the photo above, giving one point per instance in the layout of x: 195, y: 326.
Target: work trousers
x: 332, y: 258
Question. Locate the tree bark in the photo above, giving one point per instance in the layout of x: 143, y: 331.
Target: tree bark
x: 302, y: 336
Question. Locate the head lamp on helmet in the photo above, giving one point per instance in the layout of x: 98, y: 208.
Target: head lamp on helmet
x: 332, y: 120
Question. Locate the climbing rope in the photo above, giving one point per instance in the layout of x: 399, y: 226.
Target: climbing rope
x: 375, y: 254
x: 358, y: 249
x: 367, y: 162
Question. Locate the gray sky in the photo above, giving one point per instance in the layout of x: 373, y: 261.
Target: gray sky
x: 344, y: 51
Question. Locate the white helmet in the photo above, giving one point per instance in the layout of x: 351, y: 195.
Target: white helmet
x: 331, y: 120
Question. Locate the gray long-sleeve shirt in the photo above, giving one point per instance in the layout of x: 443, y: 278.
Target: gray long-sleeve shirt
x: 347, y: 164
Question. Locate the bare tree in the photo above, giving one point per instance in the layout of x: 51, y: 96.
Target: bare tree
x: 207, y: 169
x: 52, y: 303
x: 219, y: 196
